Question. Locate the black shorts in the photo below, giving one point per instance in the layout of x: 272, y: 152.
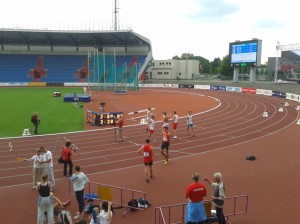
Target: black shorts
x: 165, y: 145
x: 149, y: 164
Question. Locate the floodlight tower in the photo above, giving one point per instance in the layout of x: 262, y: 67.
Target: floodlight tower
x: 116, y: 15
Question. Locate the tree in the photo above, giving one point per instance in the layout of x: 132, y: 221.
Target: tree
x: 225, y: 68
x: 203, y: 61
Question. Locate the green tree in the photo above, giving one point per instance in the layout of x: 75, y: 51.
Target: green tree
x: 225, y: 68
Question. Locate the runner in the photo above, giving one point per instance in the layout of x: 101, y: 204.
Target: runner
x: 151, y: 127
x: 165, y: 121
x: 165, y: 145
x: 120, y: 123
x: 147, y: 151
x: 190, y: 124
x: 174, y: 124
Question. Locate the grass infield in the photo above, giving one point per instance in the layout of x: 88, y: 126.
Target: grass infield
x: 18, y: 104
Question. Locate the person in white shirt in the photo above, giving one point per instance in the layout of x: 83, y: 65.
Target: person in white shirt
x: 174, y: 123
x: 79, y: 180
x: 48, y: 165
x: 190, y: 124
x: 37, y: 167
x: 151, y: 127
x: 106, y: 212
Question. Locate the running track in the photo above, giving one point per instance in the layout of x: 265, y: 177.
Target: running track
x: 235, y: 120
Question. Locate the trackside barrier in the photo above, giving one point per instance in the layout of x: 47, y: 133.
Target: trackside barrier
x: 175, y: 214
x: 117, y: 195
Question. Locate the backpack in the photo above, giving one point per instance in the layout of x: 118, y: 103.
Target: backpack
x: 65, y: 154
x: 133, y: 204
x: 143, y: 203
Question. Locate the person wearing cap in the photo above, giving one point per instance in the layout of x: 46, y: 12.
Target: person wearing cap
x: 35, y: 120
x: 195, y: 210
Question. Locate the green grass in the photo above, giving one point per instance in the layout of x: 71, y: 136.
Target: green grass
x: 18, y: 104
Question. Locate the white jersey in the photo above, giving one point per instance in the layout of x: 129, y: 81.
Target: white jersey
x: 48, y: 155
x: 189, y: 119
x: 175, y: 120
x: 151, y: 124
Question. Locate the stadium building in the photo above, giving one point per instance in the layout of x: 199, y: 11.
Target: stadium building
x: 72, y: 58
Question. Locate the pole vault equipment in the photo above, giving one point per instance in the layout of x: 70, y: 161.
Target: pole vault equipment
x: 139, y: 111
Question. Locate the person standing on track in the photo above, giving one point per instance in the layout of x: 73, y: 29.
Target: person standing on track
x: 165, y: 145
x: 66, y: 157
x: 151, y: 127
x: 148, y: 118
x: 45, y: 201
x: 37, y: 167
x: 195, y: 211
x: 174, y: 123
x: 79, y: 179
x: 190, y: 124
x: 147, y: 151
x: 219, y: 196
x: 120, y: 124
x: 165, y: 121
x: 48, y: 165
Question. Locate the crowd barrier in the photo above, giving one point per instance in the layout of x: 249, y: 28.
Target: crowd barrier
x: 119, y: 196
x: 171, y: 214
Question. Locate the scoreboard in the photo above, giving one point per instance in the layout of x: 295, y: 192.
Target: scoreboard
x: 102, y: 118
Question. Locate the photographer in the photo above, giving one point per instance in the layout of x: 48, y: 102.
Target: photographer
x: 66, y: 157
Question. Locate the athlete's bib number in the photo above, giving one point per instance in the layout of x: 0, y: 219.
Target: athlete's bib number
x: 146, y: 154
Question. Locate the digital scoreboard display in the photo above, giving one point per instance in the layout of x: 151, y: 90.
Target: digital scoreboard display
x: 109, y: 118
x: 102, y: 118
x: 246, y: 53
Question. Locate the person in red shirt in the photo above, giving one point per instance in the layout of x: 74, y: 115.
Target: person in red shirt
x: 66, y: 157
x: 147, y: 151
x: 165, y: 145
x: 195, y: 211
x: 120, y: 124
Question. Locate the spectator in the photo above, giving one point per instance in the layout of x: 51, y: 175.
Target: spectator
x: 195, y: 211
x: 35, y: 120
x: 147, y: 151
x: 58, y: 205
x: 45, y: 202
x: 94, y: 218
x: 79, y: 180
x: 48, y: 165
x: 106, y: 212
x: 66, y: 157
x: 219, y: 196
x: 37, y: 167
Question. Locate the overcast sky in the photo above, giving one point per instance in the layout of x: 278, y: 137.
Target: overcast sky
x: 200, y: 27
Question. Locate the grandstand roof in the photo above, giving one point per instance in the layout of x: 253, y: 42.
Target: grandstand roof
x: 96, y: 39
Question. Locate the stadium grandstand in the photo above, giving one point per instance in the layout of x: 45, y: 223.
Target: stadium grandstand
x: 99, y: 59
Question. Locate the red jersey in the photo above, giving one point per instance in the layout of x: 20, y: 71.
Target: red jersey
x: 147, y: 154
x: 166, y: 137
x: 66, y: 154
x: 195, y: 192
x: 120, y: 123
